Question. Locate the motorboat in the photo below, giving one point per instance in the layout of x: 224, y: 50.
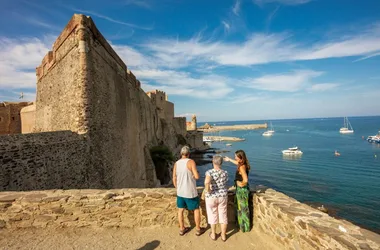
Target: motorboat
x: 292, y: 151
x: 347, y: 128
x: 267, y: 133
x: 207, y: 139
x: 374, y: 138
x: 270, y: 131
x: 228, y: 144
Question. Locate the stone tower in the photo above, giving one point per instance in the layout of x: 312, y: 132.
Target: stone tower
x: 194, y: 122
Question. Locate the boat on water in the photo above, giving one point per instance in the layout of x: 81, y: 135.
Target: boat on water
x: 374, y: 138
x: 270, y: 131
x: 347, y: 128
x: 292, y: 151
x: 207, y: 139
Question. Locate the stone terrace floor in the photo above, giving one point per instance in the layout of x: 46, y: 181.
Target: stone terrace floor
x: 119, y: 238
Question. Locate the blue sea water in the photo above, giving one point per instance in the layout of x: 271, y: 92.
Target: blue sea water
x: 348, y: 184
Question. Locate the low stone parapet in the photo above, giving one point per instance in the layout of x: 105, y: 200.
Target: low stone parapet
x: 129, y: 208
x: 298, y: 226
x: 295, y: 225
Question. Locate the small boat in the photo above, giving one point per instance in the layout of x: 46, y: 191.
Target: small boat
x: 347, y: 128
x: 292, y: 151
x: 207, y: 139
x: 374, y: 138
x: 270, y: 131
x: 336, y: 153
x: 228, y: 144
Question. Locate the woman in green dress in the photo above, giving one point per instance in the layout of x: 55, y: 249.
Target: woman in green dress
x: 242, y: 190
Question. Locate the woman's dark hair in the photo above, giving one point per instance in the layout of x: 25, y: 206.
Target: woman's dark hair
x: 241, y: 155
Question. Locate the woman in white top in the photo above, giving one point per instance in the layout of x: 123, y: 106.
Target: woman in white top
x: 217, y: 197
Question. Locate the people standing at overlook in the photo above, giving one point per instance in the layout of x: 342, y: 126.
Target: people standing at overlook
x: 242, y: 189
x: 185, y: 174
x: 217, y: 197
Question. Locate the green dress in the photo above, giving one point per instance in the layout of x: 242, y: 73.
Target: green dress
x: 241, y: 204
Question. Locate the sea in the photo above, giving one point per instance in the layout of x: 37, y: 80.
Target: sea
x: 348, y: 185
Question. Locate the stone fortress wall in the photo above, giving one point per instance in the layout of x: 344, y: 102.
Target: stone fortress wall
x: 84, y: 87
x: 291, y: 223
x: 10, y: 117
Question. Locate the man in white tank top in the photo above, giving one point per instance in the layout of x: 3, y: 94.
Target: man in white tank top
x: 185, y: 174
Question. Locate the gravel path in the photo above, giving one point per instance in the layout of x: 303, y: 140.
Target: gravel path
x: 116, y: 238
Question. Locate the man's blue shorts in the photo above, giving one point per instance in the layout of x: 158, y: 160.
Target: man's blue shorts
x: 188, y: 203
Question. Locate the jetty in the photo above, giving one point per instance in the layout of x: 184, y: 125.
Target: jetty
x: 208, y: 128
x: 225, y: 138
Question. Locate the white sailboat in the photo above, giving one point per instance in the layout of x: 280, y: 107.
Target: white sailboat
x: 347, y: 128
x: 270, y: 131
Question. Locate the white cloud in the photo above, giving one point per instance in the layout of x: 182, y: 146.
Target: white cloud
x: 284, y: 2
x: 183, y: 83
x: 261, y: 48
x: 113, y: 20
x: 291, y: 82
x: 226, y: 26
x: 236, y: 7
x: 132, y: 57
x: 323, y: 87
x: 367, y: 57
x: 139, y: 3
x: 18, y: 60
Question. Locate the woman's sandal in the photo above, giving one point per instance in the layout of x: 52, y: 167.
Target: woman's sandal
x: 199, y: 232
x: 209, y: 234
x: 184, y: 231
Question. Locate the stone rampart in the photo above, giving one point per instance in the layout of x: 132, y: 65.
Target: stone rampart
x: 45, y: 161
x: 85, y: 87
x: 293, y: 224
x: 10, y: 118
x: 28, y: 119
x: 298, y: 226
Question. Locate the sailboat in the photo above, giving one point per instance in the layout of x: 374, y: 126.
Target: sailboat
x: 347, y: 128
x: 270, y: 131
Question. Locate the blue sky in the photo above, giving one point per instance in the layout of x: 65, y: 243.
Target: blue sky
x: 222, y: 60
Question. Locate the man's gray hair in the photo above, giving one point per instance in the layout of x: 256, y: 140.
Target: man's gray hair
x: 217, y: 160
x: 185, y: 150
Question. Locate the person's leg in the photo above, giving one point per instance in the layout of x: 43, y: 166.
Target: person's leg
x: 181, y: 204
x: 180, y: 219
x: 222, y: 213
x: 197, y: 218
x: 193, y: 204
x: 242, y: 195
x: 212, y: 217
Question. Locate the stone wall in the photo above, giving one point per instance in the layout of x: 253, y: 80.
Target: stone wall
x: 45, y: 161
x: 180, y: 125
x: 10, y: 119
x: 85, y: 87
x: 129, y: 208
x: 195, y: 139
x: 28, y: 119
x: 293, y: 224
x: 298, y: 226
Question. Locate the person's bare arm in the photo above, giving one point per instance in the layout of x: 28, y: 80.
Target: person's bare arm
x: 243, y: 173
x: 226, y: 158
x: 175, y: 175
x: 194, y: 169
x: 207, y: 183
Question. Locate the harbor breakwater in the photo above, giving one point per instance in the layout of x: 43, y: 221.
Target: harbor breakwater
x: 209, y: 129
x: 293, y: 224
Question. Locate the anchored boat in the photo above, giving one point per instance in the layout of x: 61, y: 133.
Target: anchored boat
x: 292, y: 151
x: 347, y: 128
x: 270, y: 131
